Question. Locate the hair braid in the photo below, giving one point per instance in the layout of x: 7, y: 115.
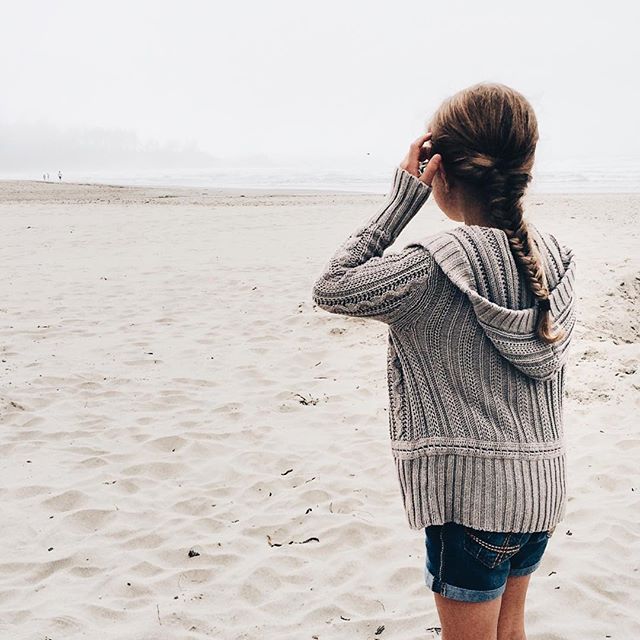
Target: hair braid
x: 505, y: 191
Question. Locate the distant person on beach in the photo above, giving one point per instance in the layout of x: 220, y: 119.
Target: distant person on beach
x: 60, y: 175
x: 480, y: 317
x: 44, y: 177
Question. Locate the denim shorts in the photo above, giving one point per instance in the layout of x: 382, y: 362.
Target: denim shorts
x: 473, y: 565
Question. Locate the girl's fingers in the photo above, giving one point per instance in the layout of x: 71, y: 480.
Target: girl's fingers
x: 415, y: 154
x: 417, y: 149
x: 431, y: 169
x: 422, y: 139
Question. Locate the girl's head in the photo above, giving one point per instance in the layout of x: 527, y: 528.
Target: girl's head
x: 487, y: 136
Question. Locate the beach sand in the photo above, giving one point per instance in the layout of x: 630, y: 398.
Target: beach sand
x: 191, y: 449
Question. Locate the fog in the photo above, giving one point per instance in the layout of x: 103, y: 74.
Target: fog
x: 204, y: 83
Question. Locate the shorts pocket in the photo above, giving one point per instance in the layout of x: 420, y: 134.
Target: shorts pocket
x: 492, y: 548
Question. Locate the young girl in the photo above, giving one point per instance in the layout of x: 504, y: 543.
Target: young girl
x: 480, y: 317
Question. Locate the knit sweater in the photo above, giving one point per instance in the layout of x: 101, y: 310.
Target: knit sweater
x: 475, y: 397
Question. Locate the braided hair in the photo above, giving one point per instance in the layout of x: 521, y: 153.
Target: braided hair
x: 487, y: 135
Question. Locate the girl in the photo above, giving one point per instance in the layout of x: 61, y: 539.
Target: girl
x: 480, y: 318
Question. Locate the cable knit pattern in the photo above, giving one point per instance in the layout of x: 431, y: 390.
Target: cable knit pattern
x: 475, y: 397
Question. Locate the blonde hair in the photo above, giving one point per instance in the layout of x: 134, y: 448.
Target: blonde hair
x: 487, y: 135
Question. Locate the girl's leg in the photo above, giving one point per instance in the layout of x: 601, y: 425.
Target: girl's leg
x: 468, y: 620
x: 511, y: 620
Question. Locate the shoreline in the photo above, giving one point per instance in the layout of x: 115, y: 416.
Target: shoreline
x: 18, y: 188
x: 187, y: 191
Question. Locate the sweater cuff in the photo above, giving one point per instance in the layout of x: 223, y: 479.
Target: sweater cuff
x: 405, y: 199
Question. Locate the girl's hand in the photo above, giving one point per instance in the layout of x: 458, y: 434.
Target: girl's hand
x: 418, y: 153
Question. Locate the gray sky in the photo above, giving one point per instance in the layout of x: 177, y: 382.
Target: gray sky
x: 332, y: 78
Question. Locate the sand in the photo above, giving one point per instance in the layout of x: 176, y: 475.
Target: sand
x: 191, y: 449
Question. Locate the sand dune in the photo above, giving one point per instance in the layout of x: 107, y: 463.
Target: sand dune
x: 192, y: 450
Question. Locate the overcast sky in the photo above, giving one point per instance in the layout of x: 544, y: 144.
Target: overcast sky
x: 330, y: 78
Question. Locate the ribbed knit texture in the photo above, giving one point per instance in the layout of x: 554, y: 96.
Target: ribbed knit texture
x: 475, y: 397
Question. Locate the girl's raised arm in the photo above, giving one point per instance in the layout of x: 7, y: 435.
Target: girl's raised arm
x: 359, y: 280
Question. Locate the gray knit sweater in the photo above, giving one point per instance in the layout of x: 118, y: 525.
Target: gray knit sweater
x: 475, y: 397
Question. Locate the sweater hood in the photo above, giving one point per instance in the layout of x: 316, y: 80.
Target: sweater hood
x: 478, y: 260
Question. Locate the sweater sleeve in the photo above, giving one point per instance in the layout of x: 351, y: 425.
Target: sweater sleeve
x: 359, y: 281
